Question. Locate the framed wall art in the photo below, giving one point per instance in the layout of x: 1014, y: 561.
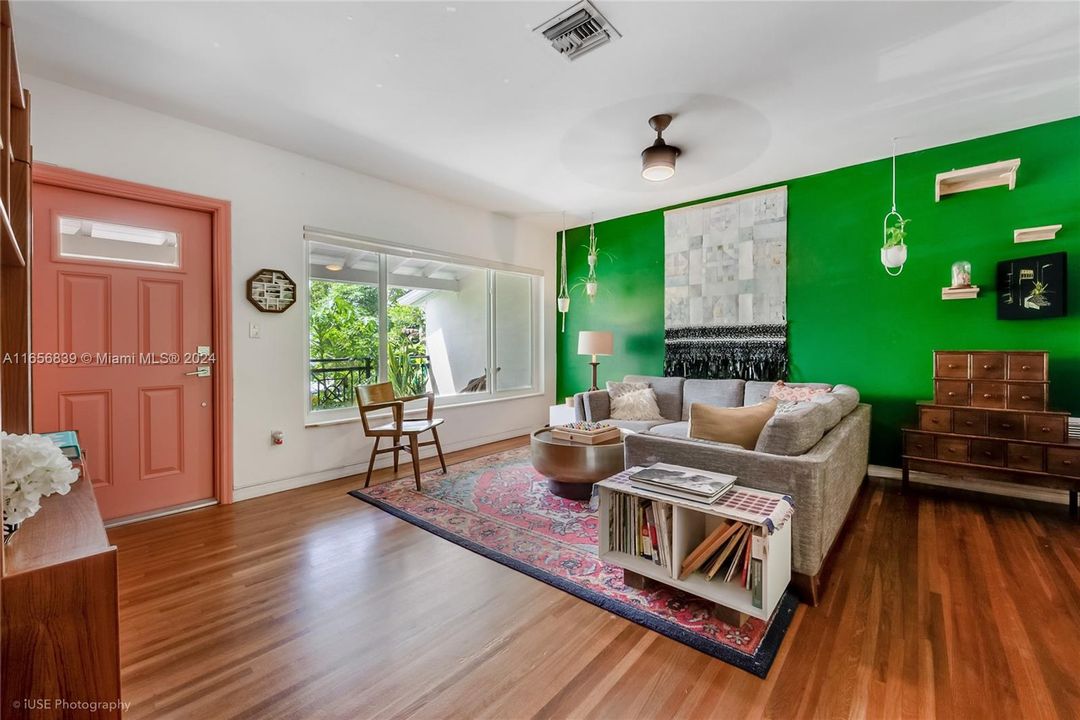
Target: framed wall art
x: 1032, y: 288
x: 271, y: 291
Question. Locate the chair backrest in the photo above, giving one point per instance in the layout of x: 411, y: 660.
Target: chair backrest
x: 373, y: 394
x: 367, y: 395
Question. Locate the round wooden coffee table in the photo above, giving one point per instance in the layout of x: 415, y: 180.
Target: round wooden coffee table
x: 571, y: 467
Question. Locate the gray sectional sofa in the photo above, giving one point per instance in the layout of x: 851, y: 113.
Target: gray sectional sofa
x: 816, y: 453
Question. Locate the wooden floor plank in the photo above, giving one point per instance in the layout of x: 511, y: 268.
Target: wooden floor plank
x: 311, y: 604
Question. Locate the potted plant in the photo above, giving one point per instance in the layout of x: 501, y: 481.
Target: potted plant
x: 894, y: 251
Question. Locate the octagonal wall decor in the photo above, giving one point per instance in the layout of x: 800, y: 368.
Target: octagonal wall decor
x: 271, y: 291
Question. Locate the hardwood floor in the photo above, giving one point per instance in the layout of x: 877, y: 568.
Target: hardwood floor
x: 311, y: 604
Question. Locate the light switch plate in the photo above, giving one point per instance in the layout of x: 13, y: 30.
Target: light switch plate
x: 254, y: 330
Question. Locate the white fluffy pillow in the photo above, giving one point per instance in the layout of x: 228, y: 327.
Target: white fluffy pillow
x: 635, y: 405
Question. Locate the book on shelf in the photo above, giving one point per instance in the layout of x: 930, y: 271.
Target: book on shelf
x: 726, y: 554
x: 684, y: 483
x: 640, y: 527
x: 68, y: 442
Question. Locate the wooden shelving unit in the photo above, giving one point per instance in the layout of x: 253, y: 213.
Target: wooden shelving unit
x: 1034, y: 234
x: 691, y: 523
x: 15, y: 219
x: 976, y: 178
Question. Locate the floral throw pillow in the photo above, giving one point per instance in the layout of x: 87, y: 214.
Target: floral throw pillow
x: 635, y: 405
x: 785, y: 393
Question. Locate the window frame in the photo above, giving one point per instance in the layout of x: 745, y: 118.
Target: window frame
x: 384, y: 249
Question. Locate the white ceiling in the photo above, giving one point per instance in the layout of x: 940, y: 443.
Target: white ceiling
x: 461, y: 99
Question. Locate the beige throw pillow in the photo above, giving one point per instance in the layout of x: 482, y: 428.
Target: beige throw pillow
x: 737, y: 425
x: 635, y: 405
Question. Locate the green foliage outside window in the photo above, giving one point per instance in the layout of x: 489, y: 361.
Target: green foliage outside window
x: 344, y: 324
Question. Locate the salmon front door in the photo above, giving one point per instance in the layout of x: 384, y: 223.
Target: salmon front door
x: 121, y: 331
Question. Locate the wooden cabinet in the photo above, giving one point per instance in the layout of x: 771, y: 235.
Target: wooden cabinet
x: 60, y: 614
x: 1016, y: 381
x: 989, y: 418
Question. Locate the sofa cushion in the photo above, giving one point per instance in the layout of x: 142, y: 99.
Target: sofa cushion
x: 795, y: 432
x: 636, y: 425
x: 758, y: 390
x: 635, y: 405
x: 669, y: 391
x: 737, y: 425
x: 833, y: 406
x: 718, y: 393
x: 795, y: 393
x: 617, y: 389
x: 676, y: 430
x: 848, y: 397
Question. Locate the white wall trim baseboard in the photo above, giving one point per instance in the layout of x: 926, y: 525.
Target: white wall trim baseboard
x: 994, y: 487
x: 319, y: 476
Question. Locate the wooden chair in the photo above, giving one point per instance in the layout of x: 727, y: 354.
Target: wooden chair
x: 370, y: 398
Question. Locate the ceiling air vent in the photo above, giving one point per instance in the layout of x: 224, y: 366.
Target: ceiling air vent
x: 577, y: 30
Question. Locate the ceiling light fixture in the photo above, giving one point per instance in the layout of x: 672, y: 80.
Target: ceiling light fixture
x: 333, y: 267
x: 658, y: 160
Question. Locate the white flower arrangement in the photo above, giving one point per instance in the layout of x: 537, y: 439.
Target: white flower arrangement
x: 34, y: 467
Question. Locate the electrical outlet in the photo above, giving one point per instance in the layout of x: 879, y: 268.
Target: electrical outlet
x: 254, y: 331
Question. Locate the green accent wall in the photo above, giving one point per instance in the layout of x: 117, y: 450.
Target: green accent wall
x: 849, y: 322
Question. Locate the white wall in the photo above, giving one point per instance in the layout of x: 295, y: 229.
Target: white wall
x: 274, y: 194
x: 457, y: 333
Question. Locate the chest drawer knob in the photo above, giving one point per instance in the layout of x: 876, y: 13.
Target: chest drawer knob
x: 1025, y: 458
x: 1045, y: 429
x: 1025, y: 397
x: 987, y: 395
x: 987, y: 366
x: 987, y: 453
x: 1066, y: 462
x: 953, y: 366
x: 969, y: 423
x: 1025, y: 367
x: 952, y: 394
x: 1006, y: 426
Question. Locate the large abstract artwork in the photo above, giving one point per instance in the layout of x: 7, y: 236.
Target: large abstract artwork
x: 725, y: 288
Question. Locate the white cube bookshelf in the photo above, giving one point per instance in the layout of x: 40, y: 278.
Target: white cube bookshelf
x: 691, y: 523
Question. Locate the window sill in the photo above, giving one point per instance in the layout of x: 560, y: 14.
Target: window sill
x: 313, y: 422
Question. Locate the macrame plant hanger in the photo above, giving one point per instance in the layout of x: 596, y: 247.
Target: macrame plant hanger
x: 564, y: 290
x: 898, y: 221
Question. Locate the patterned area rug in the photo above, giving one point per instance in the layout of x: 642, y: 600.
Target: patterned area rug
x: 500, y: 507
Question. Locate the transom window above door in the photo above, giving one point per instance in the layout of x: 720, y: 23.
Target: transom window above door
x: 94, y: 240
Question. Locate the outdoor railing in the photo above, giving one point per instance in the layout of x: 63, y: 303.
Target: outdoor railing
x: 334, y: 380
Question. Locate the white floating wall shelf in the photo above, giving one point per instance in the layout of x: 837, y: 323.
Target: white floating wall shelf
x: 967, y: 293
x: 1046, y: 232
x: 976, y: 178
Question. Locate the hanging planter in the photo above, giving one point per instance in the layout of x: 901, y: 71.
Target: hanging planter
x: 894, y: 231
x: 564, y: 290
x: 894, y: 251
x: 592, y: 283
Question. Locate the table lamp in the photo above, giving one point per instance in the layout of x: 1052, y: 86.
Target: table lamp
x: 595, y: 342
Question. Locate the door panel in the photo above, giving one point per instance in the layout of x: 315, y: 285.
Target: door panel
x: 161, y: 316
x: 131, y: 302
x: 90, y: 411
x: 83, y: 313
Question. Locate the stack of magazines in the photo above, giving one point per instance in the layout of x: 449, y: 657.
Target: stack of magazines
x: 684, y: 483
